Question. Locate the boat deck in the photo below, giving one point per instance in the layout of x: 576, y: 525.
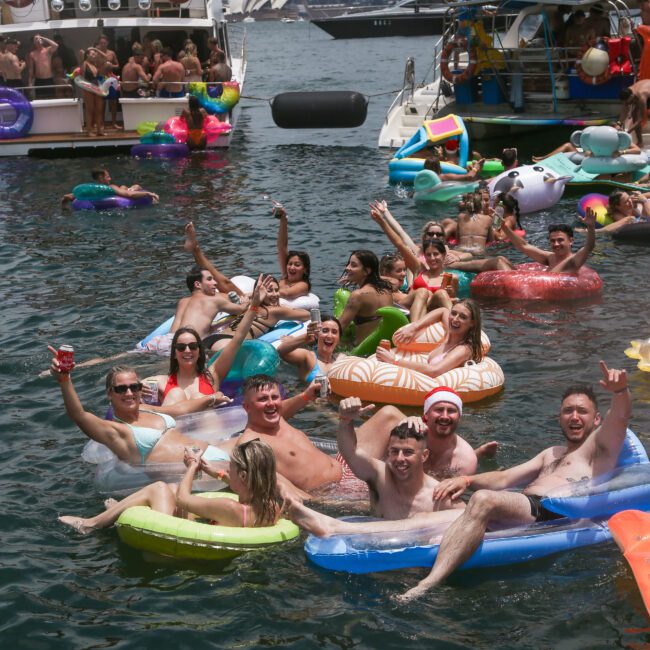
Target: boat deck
x: 49, y: 141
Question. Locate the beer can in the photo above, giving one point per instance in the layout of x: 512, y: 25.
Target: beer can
x: 384, y: 343
x: 324, y: 385
x: 314, y: 314
x: 447, y: 280
x: 154, y: 398
x: 233, y: 296
x: 65, y: 356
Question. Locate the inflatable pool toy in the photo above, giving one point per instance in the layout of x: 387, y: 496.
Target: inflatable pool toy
x: 146, y: 127
x: 464, y: 281
x: 633, y: 233
x: 92, y: 191
x: 212, y: 127
x: 601, y: 142
x: 391, y: 320
x: 533, y: 282
x: 157, y: 137
x: 217, y: 99
x: 491, y: 168
x: 404, y: 166
x: 95, y: 196
x: 387, y: 551
x: 310, y: 301
x: 254, y: 357
x: 155, y: 532
x: 534, y: 186
x: 432, y: 337
x: 598, y: 203
x: 429, y: 187
x: 640, y: 350
x: 374, y: 381
x: 102, y: 89
x: 24, y: 119
x: 592, y: 64
x: 172, y: 150
x: 631, y: 532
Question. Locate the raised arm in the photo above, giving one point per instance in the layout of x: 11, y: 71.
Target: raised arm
x: 363, y: 466
x: 581, y: 255
x: 377, y: 212
x: 524, y: 247
x: 294, y: 404
x: 611, y: 433
x: 282, y: 242
x: 191, y: 245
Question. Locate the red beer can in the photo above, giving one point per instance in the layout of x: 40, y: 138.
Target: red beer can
x: 65, y: 356
x: 384, y: 343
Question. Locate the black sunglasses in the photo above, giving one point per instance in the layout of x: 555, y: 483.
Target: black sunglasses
x: 437, y: 233
x: 121, y: 389
x: 181, y: 347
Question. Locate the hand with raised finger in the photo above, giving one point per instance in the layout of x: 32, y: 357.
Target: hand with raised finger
x: 614, y: 381
x: 351, y: 408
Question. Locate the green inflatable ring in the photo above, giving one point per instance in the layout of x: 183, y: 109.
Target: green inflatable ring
x: 92, y: 191
x: 391, y: 320
x: 148, y: 530
x: 491, y: 168
x: 464, y: 280
x: 341, y: 297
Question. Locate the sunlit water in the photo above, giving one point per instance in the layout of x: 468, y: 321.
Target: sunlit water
x: 102, y: 281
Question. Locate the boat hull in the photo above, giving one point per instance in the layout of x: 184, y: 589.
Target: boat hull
x: 412, y: 24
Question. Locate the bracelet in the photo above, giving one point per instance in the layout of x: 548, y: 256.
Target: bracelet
x: 467, y: 480
x: 620, y: 392
x: 305, y: 397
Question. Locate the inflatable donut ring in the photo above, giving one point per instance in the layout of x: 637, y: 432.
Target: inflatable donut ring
x: 374, y: 381
x: 431, y: 337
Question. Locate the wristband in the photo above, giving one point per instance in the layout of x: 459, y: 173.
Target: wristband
x: 467, y: 480
x: 305, y: 397
x: 254, y: 309
x: 214, y: 399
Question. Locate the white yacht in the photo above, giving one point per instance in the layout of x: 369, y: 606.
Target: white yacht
x: 512, y: 77
x: 77, y: 24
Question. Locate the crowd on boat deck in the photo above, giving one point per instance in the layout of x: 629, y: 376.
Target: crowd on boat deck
x: 46, y: 69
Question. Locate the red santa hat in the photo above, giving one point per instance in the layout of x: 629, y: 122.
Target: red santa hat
x: 443, y: 394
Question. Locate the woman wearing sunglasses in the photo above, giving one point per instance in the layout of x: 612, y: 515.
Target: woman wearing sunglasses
x: 252, y: 476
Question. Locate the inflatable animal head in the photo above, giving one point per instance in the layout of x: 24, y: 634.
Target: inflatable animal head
x: 534, y: 186
x: 601, y: 140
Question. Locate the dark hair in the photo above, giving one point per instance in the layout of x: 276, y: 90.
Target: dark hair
x: 259, y: 382
x: 195, y: 275
x: 404, y: 431
x: 99, y: 38
x: 97, y: 173
x: 511, y: 204
x: 509, y: 157
x: 473, y: 339
x: 387, y: 262
x: 625, y: 94
x: 434, y: 243
x: 581, y: 389
x: 614, y: 201
x: 117, y: 370
x: 561, y: 227
x: 200, y: 362
x: 306, y: 262
x: 369, y: 261
x: 325, y: 317
x: 167, y: 51
x: 195, y: 108
x: 433, y: 164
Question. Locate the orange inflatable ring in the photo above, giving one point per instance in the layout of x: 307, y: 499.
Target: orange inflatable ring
x: 431, y: 337
x: 374, y: 381
x: 468, y: 72
x: 602, y: 78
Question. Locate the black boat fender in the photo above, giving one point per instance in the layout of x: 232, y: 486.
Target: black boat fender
x: 336, y: 109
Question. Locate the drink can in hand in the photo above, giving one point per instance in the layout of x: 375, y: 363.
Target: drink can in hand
x: 233, y: 296
x: 151, y: 397
x: 314, y: 314
x: 447, y: 280
x: 323, y: 385
x: 65, y: 357
x: 384, y: 343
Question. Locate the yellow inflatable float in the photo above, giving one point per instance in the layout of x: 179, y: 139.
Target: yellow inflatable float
x: 374, y: 381
x: 640, y: 350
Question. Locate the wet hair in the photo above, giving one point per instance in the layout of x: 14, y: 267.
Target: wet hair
x: 193, y: 104
x: 433, y: 164
x: 509, y: 157
x: 388, y: 261
x: 473, y: 338
x: 327, y: 317
x: 195, y: 275
x: 561, y: 227
x: 200, y: 362
x: 404, y: 431
x: 472, y: 202
x: 259, y: 382
x: 117, y: 370
x: 581, y: 389
x: 434, y: 243
x: 370, y: 262
x: 306, y: 262
x: 511, y: 205
x: 255, y: 462
x: 97, y: 173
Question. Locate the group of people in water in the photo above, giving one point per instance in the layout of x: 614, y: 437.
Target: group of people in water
x: 416, y: 468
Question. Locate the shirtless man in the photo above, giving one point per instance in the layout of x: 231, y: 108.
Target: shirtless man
x: 39, y: 66
x: 133, y: 73
x: 592, y: 448
x: 449, y: 454
x: 11, y: 67
x: 169, y: 76
x: 219, y: 69
x: 561, y: 259
x: 634, y: 111
x: 110, y: 66
x: 399, y: 487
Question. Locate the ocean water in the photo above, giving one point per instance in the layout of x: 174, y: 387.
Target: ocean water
x: 102, y: 281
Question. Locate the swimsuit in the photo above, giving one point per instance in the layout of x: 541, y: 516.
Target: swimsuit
x: 316, y: 370
x: 205, y: 387
x: 175, y: 95
x: 213, y: 522
x: 420, y: 283
x: 262, y: 327
x: 214, y: 453
x: 195, y: 137
x: 538, y: 511
x: 146, y: 438
x: 362, y: 320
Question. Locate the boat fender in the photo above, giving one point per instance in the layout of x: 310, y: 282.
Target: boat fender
x: 21, y: 125
x: 336, y: 109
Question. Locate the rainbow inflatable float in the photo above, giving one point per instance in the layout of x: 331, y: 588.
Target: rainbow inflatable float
x: 215, y: 99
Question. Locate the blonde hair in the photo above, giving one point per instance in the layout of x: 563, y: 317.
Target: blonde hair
x: 255, y: 461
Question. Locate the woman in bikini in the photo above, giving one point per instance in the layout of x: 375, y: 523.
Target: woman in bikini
x: 294, y: 265
x: 361, y: 308
x: 91, y: 60
x: 312, y: 362
x: 195, y: 117
x: 191, y: 63
x: 462, y: 324
x: 625, y: 208
x: 252, y: 476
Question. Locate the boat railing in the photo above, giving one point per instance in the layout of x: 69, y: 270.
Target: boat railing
x: 236, y: 42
